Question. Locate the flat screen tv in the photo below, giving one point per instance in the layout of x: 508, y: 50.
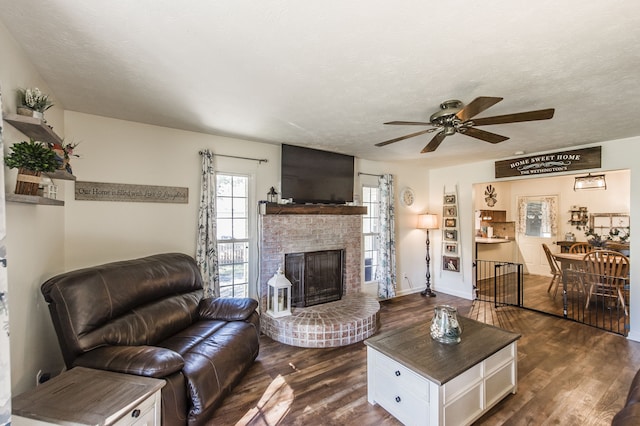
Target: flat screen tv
x: 315, y: 176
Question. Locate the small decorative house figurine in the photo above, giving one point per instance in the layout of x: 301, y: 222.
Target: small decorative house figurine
x: 279, y: 295
x: 272, y: 195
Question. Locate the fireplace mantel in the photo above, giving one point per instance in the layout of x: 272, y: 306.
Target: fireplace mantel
x: 314, y: 209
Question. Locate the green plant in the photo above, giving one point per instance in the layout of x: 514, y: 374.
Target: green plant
x: 35, y: 99
x: 615, y: 234
x: 31, y: 155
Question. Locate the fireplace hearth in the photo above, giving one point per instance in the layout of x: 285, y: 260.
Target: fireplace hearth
x: 317, y: 277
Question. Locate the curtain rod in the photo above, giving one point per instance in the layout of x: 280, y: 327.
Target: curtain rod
x: 369, y: 174
x: 259, y: 160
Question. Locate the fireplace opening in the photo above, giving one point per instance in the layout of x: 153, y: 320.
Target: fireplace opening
x: 316, y: 277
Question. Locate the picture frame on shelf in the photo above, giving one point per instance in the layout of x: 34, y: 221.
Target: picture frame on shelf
x: 450, y: 211
x: 450, y: 199
x: 450, y: 235
x: 451, y: 248
x: 451, y: 263
x: 450, y: 222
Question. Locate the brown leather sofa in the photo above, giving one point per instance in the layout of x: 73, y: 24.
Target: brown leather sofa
x: 147, y: 317
x: 630, y: 413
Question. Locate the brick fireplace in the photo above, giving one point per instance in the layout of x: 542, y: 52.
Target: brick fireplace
x: 308, y: 228
x: 301, y: 228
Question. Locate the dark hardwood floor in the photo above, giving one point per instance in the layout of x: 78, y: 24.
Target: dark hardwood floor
x: 568, y: 373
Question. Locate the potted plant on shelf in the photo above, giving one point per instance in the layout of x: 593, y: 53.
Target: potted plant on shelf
x: 33, y: 102
x: 31, y: 159
x: 63, y: 153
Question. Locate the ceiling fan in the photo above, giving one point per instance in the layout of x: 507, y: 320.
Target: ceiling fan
x: 455, y: 117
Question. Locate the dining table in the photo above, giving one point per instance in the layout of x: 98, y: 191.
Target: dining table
x: 569, y: 261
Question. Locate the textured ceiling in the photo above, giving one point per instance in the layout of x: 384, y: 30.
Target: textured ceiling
x: 327, y: 74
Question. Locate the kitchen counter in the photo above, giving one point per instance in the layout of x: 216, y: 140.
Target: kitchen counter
x: 495, y: 249
x: 494, y: 240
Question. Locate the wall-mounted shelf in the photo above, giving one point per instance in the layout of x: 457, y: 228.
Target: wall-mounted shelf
x: 314, y: 209
x: 38, y: 130
x: 33, y: 127
x: 59, y: 174
x: 579, y: 216
x: 33, y: 199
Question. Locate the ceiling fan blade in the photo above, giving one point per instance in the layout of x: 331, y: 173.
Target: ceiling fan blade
x: 422, y: 132
x: 476, y: 106
x: 410, y: 123
x: 541, y: 114
x: 484, y: 135
x: 435, y: 142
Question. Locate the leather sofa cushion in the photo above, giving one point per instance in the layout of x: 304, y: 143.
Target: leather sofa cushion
x: 147, y: 325
x: 236, y: 309
x: 149, y: 361
x: 213, y: 365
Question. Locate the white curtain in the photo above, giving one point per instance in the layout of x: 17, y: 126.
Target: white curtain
x: 206, y: 248
x: 386, y: 270
x: 550, y: 215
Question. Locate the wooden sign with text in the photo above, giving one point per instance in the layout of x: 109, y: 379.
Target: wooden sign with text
x: 562, y: 161
x: 100, y: 191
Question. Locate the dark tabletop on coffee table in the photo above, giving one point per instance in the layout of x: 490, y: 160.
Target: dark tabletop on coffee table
x: 414, y: 348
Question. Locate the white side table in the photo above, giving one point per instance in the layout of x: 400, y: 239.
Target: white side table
x: 83, y: 396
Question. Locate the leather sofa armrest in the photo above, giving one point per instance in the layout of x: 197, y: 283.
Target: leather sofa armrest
x: 149, y: 361
x: 227, y: 309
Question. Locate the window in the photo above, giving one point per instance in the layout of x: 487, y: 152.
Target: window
x: 538, y: 216
x: 370, y: 231
x: 232, y: 216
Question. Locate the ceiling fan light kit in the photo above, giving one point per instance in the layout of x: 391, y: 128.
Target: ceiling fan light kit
x: 454, y: 117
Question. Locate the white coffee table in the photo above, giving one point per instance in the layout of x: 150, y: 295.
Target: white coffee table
x: 424, y: 382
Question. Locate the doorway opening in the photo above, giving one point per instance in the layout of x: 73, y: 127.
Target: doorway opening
x: 523, y: 202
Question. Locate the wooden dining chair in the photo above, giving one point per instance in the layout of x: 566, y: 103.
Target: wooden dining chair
x: 607, y: 272
x: 580, y: 248
x: 556, y: 271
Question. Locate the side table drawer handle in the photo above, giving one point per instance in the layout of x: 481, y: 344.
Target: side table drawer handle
x: 397, y: 373
x: 398, y: 399
x: 135, y: 413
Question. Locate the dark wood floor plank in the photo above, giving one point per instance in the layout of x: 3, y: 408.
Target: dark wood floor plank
x: 568, y: 373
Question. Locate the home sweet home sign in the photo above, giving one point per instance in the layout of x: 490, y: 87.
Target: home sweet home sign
x: 100, y: 191
x: 557, y: 162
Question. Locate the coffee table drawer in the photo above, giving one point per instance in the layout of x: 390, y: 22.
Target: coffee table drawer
x: 401, y: 402
x: 392, y: 373
x: 498, y: 359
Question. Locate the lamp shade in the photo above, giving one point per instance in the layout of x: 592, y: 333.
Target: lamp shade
x: 428, y: 221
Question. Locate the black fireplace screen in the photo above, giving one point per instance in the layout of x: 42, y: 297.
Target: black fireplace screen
x: 317, y: 276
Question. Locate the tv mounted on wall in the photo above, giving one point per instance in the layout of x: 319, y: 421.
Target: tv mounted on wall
x: 315, y: 176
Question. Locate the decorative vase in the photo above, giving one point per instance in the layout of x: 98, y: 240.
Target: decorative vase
x: 27, y: 182
x: 445, y: 327
x: 30, y: 112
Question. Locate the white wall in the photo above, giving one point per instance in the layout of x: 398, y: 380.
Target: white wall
x: 35, y: 237
x: 118, y: 151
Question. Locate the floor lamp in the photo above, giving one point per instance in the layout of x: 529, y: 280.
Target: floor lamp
x: 428, y: 221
